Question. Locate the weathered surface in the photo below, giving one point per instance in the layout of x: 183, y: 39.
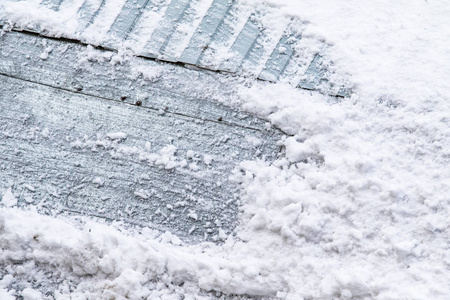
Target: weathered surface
x: 228, y: 36
x: 73, y: 139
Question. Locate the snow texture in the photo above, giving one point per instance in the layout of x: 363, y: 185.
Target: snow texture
x: 356, y: 209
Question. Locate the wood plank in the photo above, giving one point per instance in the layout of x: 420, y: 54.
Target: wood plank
x: 62, y: 147
x: 171, y: 90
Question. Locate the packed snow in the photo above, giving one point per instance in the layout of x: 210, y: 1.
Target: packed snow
x: 357, y: 208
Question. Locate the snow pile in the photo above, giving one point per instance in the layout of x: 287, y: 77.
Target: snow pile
x: 34, y: 15
x: 359, y: 201
x: 165, y: 158
x: 98, y: 261
x: 357, y: 208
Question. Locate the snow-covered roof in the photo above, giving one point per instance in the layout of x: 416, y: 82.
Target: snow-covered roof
x: 222, y: 35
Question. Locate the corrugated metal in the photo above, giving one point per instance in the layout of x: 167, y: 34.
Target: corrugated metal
x: 206, y: 32
x: 224, y: 37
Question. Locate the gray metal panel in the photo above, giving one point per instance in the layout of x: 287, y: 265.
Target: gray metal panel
x: 208, y: 43
x: 242, y: 46
x: 166, y: 27
x: 279, y: 59
x: 88, y: 12
x: 315, y: 75
x: 222, y: 39
x: 127, y: 18
x: 205, y: 32
x: 344, y: 91
x: 225, y: 29
x: 254, y: 57
x: 179, y: 39
x: 53, y: 4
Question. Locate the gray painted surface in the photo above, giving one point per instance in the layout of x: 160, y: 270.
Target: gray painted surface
x: 242, y: 46
x: 279, y: 59
x: 56, y: 117
x: 87, y: 13
x: 206, y: 31
x: 129, y: 15
x: 174, y: 13
x: 214, y: 40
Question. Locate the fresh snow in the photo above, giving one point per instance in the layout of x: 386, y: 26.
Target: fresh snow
x: 357, y: 208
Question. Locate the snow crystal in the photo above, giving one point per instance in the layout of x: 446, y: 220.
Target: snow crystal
x: 98, y: 181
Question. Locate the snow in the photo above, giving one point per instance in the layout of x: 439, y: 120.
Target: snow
x: 117, y: 135
x: 8, y: 198
x: 358, y: 207
x: 165, y: 157
x: 30, y: 294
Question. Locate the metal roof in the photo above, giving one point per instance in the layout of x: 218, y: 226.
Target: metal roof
x: 81, y: 103
x: 227, y: 36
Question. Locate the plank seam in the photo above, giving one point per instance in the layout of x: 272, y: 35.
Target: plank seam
x: 182, y: 64
x: 145, y: 107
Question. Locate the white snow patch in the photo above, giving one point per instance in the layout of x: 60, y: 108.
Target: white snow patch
x: 8, y: 198
x: 207, y: 159
x: 148, y: 73
x: 90, y: 54
x: 30, y: 294
x: 117, y: 135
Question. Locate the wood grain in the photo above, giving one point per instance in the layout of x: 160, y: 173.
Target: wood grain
x: 57, y: 152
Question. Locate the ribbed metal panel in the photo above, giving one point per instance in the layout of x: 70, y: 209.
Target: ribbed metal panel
x: 87, y: 12
x: 279, y: 59
x: 128, y: 17
x: 224, y: 37
x: 206, y: 32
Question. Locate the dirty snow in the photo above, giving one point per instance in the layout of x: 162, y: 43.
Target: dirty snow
x: 357, y: 208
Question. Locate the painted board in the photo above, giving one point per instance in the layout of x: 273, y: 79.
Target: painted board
x: 94, y: 138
